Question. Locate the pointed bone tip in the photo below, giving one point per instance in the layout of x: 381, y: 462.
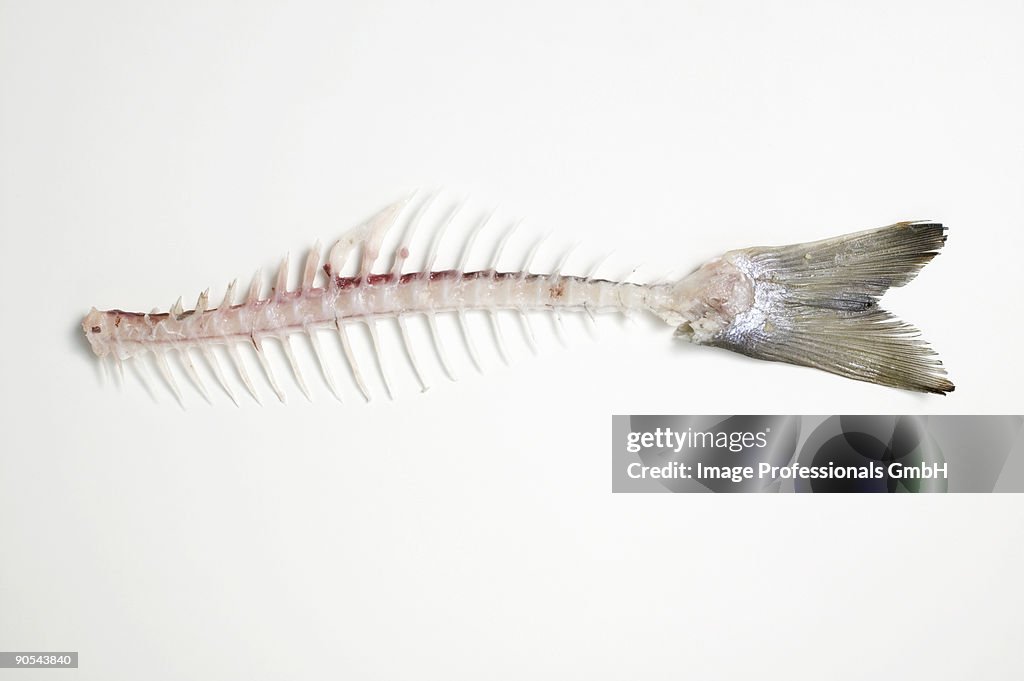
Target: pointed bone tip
x: 390, y: 213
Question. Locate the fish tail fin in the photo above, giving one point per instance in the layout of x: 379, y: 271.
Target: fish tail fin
x: 816, y: 304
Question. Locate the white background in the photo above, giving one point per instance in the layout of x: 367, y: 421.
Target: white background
x: 149, y: 150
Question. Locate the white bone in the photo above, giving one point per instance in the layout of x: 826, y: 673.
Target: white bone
x: 597, y: 266
x: 464, y: 325
x: 464, y: 260
x: 402, y: 252
x: 499, y: 337
x: 557, y: 272
x: 144, y: 375
x: 312, y: 263
x: 286, y: 345
x: 441, y: 354
x: 371, y: 324
x: 257, y: 343
x: 403, y: 328
x: 435, y: 243
x: 531, y: 337
x: 314, y: 340
x: 203, y: 303
x: 528, y: 263
x: 281, y: 286
x: 190, y: 369
x: 501, y: 244
x: 346, y: 347
x: 229, y: 297
x: 559, y: 327
x: 104, y: 371
x: 165, y: 372
x: 369, y: 236
x: 254, y: 288
x: 236, y: 359
x: 377, y: 228
x: 218, y: 372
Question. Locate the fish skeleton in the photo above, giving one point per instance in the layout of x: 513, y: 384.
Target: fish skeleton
x: 812, y: 304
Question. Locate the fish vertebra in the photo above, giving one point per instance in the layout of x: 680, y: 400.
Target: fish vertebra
x: 812, y: 304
